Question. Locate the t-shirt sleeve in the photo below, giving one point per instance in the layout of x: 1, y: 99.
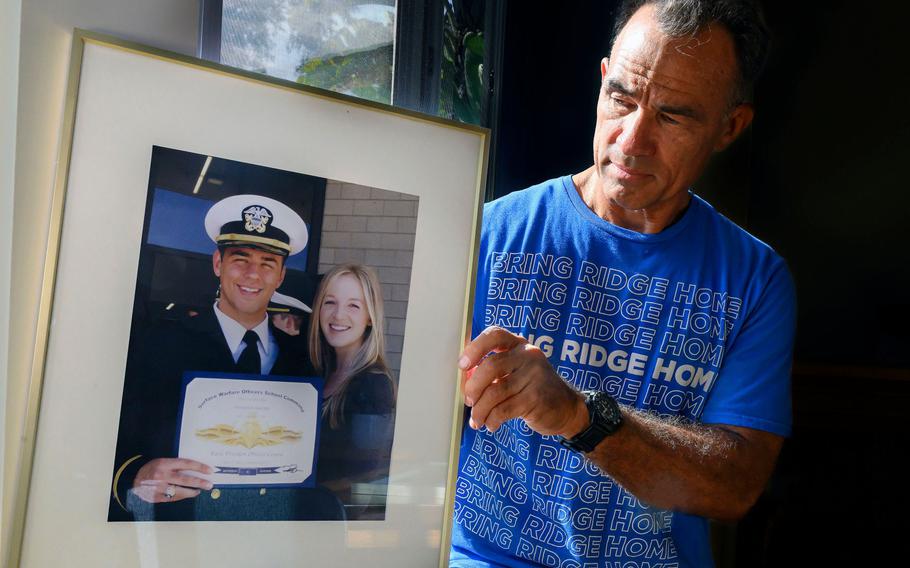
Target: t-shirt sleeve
x: 753, y: 387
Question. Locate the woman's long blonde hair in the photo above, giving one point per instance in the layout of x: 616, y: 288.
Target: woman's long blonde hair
x: 370, y: 356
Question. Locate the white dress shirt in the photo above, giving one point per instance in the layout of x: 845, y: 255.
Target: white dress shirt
x: 234, y: 332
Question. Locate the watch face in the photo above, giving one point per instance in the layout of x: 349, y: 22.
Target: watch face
x: 605, y: 419
x: 606, y: 408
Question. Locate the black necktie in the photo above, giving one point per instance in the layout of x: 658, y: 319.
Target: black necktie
x: 249, y: 361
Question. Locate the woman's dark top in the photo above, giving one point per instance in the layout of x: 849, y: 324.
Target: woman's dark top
x: 353, y: 459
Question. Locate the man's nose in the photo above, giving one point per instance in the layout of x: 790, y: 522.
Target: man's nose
x: 252, y: 271
x: 636, y: 137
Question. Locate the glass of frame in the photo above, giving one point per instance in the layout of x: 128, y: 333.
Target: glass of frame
x: 152, y: 140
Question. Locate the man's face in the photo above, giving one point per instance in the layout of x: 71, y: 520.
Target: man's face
x: 248, y: 279
x: 664, y: 108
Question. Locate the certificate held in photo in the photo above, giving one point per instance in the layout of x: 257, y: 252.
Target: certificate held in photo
x: 251, y: 430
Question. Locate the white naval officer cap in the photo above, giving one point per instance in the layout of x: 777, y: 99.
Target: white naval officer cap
x: 282, y: 303
x: 258, y: 222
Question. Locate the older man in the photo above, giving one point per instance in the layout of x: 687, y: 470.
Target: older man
x: 641, y: 342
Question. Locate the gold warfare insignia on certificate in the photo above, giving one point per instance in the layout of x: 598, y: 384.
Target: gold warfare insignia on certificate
x: 250, y: 435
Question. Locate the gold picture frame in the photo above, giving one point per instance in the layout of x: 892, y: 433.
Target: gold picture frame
x: 124, y: 98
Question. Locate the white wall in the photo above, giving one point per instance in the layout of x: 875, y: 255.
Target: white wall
x: 46, y: 33
x: 10, y: 12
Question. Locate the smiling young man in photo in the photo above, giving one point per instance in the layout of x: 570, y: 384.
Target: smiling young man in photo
x: 248, y: 279
x: 254, y: 236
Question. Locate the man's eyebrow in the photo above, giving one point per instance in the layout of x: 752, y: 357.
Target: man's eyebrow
x: 246, y: 254
x: 613, y: 85
x: 685, y: 111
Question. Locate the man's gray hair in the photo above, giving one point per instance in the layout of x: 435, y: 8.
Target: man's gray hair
x: 684, y: 18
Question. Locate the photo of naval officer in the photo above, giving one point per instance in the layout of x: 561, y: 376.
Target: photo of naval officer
x: 254, y: 235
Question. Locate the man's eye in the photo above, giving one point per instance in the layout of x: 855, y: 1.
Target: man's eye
x: 621, y: 103
x: 668, y: 119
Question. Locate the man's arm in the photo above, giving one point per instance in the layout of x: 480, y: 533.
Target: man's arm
x: 716, y: 471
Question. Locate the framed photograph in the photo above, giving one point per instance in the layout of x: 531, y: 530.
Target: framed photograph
x: 254, y: 299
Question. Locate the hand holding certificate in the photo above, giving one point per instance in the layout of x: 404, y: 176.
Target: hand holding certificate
x: 250, y: 431
x: 170, y: 479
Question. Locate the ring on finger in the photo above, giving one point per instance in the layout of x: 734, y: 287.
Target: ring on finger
x: 170, y: 492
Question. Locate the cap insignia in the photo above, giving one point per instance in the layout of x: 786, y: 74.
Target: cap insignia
x: 256, y: 218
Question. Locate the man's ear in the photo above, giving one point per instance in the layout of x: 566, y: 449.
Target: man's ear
x: 216, y: 263
x: 737, y: 121
x: 604, y: 65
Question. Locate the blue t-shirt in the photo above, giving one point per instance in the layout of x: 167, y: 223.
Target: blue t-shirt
x: 695, y: 322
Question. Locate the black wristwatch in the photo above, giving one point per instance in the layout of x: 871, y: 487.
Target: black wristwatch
x: 605, y: 420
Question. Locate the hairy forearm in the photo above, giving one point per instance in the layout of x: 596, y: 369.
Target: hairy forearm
x: 711, y: 471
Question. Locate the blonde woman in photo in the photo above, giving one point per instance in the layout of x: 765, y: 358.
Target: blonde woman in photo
x: 347, y: 346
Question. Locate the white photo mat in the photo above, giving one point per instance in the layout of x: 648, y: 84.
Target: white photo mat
x: 131, y: 98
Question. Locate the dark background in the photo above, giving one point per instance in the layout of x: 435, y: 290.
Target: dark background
x: 819, y: 176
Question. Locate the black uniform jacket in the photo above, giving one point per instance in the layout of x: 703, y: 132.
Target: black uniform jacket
x: 148, y: 425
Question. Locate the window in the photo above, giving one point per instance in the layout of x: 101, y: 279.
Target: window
x: 342, y: 45
x: 435, y: 56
